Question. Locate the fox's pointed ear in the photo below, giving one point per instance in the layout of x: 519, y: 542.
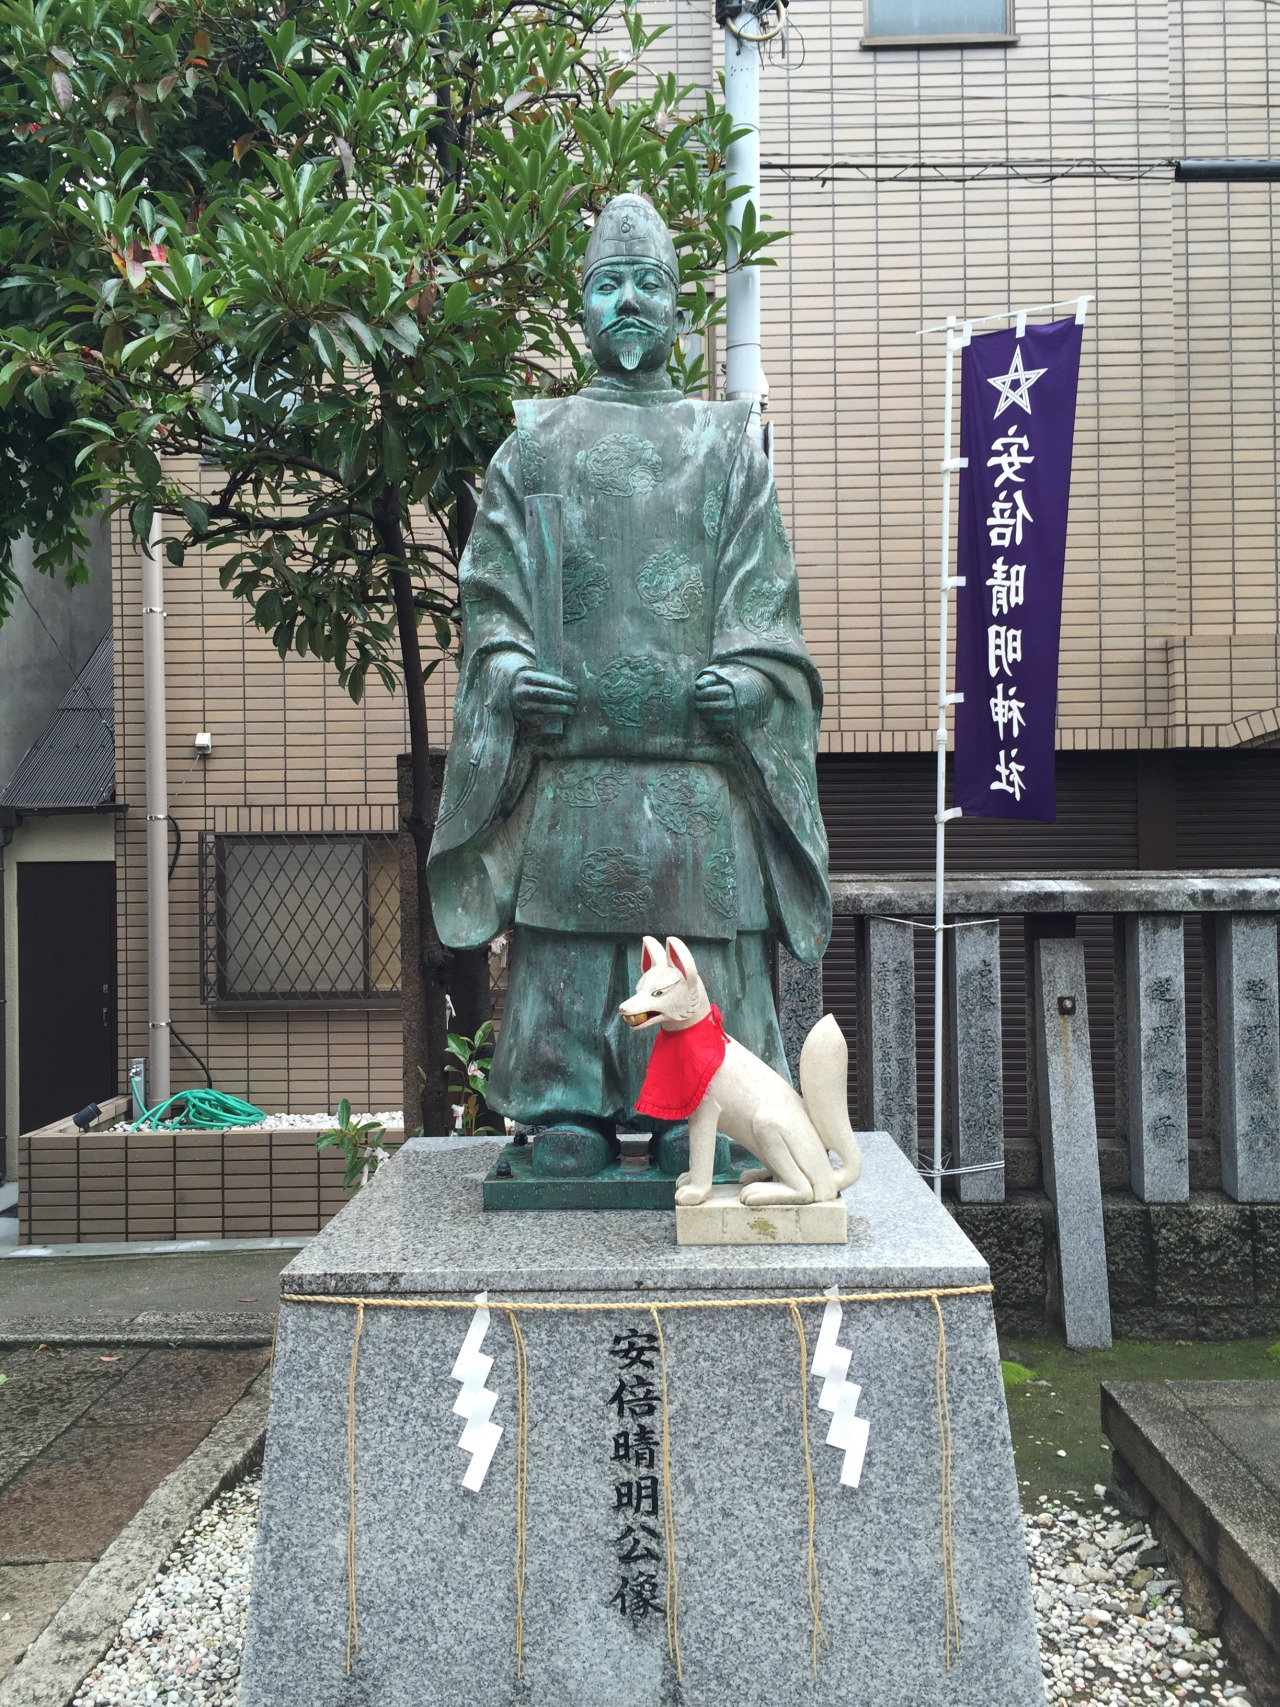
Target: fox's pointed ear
x: 652, y: 954
x: 680, y: 958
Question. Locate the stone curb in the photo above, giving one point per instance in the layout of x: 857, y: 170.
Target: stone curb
x: 149, y: 1248
x: 125, y: 1333
x: 84, y: 1627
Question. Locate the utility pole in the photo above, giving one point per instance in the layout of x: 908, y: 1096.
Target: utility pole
x: 747, y: 27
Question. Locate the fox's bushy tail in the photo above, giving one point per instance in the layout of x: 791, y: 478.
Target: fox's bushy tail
x: 824, y: 1085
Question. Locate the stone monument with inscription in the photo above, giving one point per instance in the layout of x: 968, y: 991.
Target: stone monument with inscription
x: 556, y: 1460
x: 635, y: 725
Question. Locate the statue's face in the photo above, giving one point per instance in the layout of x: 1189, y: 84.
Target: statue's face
x: 629, y: 316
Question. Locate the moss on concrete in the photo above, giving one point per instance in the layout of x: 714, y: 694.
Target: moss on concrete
x: 1053, y: 1413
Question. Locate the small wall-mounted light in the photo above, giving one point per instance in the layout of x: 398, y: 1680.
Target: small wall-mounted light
x: 204, y: 743
x: 86, y: 1117
x: 1066, y: 1006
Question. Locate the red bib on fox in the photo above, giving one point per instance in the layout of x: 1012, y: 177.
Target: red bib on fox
x: 681, y: 1067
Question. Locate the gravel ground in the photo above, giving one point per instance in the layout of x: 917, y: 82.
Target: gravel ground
x: 1109, y: 1616
x: 180, y: 1646
x: 392, y: 1118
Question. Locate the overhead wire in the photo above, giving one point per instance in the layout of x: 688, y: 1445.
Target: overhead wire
x: 969, y: 171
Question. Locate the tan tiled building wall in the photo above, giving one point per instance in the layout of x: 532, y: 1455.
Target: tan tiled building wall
x: 291, y: 753
x: 1172, y: 603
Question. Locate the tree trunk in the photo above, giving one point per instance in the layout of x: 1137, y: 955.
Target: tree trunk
x: 435, y: 1103
x: 469, y: 987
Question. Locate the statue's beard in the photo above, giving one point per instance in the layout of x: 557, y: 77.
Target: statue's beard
x: 632, y: 341
x: 631, y: 348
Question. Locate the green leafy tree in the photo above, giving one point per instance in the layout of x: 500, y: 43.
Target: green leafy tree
x: 320, y: 246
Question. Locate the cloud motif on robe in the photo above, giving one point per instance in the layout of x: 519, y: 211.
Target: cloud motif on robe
x: 585, y: 581
x: 623, y: 466
x: 671, y: 584
x: 636, y: 692
x: 682, y: 800
x: 614, y: 884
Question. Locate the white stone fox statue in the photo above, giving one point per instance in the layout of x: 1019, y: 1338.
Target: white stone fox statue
x: 700, y: 1073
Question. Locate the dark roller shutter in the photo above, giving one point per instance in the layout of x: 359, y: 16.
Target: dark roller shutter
x: 1228, y: 809
x: 879, y: 815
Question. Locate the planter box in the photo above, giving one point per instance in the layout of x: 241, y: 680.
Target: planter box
x: 100, y: 1187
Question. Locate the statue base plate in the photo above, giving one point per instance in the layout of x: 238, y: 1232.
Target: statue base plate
x: 614, y: 1187
x: 723, y: 1220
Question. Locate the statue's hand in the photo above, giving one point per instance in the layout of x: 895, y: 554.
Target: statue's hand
x: 715, y: 699
x: 536, y: 695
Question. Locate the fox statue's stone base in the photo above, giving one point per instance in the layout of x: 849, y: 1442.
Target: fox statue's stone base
x: 725, y: 1220
x: 665, y: 1453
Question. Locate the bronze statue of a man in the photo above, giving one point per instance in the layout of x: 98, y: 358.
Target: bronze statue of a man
x: 680, y: 797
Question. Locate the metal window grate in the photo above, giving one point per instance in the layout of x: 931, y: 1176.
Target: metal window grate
x: 299, y: 920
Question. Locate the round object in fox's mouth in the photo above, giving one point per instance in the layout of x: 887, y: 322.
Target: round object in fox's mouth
x: 635, y: 1021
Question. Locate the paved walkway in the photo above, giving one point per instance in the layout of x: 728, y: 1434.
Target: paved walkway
x: 86, y: 1435
x: 216, y: 1297
x: 94, y: 1413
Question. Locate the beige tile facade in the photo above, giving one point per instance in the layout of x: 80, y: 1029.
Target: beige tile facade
x: 291, y: 754
x: 1172, y: 601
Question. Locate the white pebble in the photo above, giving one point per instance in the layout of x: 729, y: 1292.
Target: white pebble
x: 181, y: 1642
x: 392, y: 1118
x: 1100, y: 1642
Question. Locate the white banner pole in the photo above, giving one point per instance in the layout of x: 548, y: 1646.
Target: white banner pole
x: 956, y: 341
x: 946, y: 585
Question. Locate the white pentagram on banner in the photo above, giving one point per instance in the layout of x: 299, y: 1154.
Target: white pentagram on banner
x: 1014, y: 385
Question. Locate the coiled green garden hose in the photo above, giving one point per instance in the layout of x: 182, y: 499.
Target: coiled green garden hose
x: 203, y: 1111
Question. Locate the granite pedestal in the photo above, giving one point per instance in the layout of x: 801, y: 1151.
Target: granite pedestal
x: 435, y: 1583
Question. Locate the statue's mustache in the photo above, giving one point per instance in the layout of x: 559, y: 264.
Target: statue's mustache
x: 632, y: 323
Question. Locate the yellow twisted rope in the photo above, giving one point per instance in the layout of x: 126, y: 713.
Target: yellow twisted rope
x: 522, y: 1480
x: 353, y: 1623
x: 668, y: 1513
x: 511, y: 1307
x: 951, y: 1609
x: 815, y: 1590
x: 509, y: 1304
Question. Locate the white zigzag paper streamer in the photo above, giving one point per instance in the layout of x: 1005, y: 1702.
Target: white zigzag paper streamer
x: 840, y: 1396
x: 475, y: 1402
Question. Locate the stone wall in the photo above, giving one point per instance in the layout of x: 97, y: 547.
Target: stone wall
x: 1208, y: 1269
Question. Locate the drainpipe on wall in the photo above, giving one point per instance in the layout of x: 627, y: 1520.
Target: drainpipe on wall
x: 744, y: 376
x: 8, y: 1163
x: 157, y: 766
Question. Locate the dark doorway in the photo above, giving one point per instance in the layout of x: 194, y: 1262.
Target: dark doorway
x: 66, y: 988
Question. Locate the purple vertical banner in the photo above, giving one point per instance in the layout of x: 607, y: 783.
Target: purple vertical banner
x: 1017, y: 421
